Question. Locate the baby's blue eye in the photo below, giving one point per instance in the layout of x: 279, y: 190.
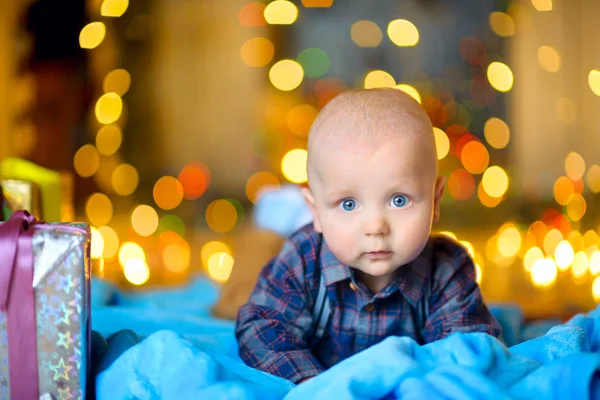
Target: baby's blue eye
x: 399, y: 201
x: 348, y: 205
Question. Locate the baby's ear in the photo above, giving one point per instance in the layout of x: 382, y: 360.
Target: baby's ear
x: 310, y: 201
x: 440, y: 185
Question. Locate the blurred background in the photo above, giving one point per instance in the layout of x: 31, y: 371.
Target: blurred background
x: 168, y: 120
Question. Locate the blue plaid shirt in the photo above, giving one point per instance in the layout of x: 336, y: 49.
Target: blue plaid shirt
x: 274, y: 328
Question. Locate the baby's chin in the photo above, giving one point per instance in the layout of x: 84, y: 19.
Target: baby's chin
x: 378, y: 267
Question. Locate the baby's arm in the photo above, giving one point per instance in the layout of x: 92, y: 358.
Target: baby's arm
x: 456, y: 303
x: 272, y: 328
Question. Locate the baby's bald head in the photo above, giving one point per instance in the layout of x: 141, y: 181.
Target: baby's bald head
x: 371, y: 116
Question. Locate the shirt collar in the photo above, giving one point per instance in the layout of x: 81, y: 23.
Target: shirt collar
x: 410, y: 281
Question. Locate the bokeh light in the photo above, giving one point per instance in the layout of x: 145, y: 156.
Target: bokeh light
x: 92, y: 35
x: 97, y: 243
x: 317, y: 3
x: 574, y: 166
x: 257, y: 52
x: 594, y: 263
x: 99, y: 209
x: 210, y: 248
x: 366, y: 33
x: 544, y: 273
x: 580, y: 264
x: 564, y: 255
x: 109, y: 108
x: 590, y: 238
x: 252, y: 14
x: 286, y: 75
x: 176, y: 256
x: 315, y: 62
x: 86, y: 161
x: 220, y: 266
x: 492, y: 253
x: 130, y: 250
x: 168, y: 193
x: 221, y: 215
x: 551, y: 240
x: 563, y: 190
x: 472, y: 50
x: 542, y: 5
x: 144, y: 220
x: 171, y: 223
x: 257, y: 182
x: 103, y: 177
x: 379, y: 79
x: 411, y: 91
x: 461, y: 184
x: 281, y: 12
x: 549, y: 58
x: 496, y: 133
x: 495, y: 181
x: 539, y: 230
x: 531, y: 256
x: 403, y: 33
x: 442, y: 143
x: 111, y: 242
x: 300, y: 119
x: 475, y: 157
x: 502, y: 24
x: 509, y: 240
x: 117, y: 81
x: 486, y: 199
x: 593, y: 178
x: 114, y: 8
x: 125, y: 179
x: 596, y: 289
x: 293, y: 165
x: 108, y: 140
x: 194, y: 179
x: 500, y: 76
x: 576, y: 207
x: 136, y: 271
x: 576, y: 240
x: 594, y: 81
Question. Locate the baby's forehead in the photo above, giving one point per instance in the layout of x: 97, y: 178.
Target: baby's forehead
x: 370, y: 114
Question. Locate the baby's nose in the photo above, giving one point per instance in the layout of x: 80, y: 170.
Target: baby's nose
x: 377, y: 227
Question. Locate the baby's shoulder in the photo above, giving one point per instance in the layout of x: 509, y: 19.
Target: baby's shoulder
x: 299, y: 258
x: 446, y: 248
x: 305, y: 240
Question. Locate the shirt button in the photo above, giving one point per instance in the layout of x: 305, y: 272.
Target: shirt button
x: 352, y: 286
x: 370, y: 307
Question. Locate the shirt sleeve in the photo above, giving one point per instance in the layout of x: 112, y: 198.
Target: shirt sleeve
x: 273, y: 327
x: 456, y: 303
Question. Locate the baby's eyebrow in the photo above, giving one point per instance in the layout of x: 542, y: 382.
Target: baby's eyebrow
x: 338, y: 194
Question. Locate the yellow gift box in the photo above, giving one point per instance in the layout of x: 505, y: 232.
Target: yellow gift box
x: 21, y: 179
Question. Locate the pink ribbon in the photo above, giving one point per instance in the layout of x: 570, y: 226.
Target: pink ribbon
x: 17, y: 300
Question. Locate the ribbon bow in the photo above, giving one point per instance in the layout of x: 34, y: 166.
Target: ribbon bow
x: 17, y: 300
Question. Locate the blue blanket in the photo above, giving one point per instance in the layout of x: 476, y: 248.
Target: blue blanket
x: 169, y: 351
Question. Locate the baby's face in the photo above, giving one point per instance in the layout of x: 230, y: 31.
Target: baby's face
x: 375, y: 203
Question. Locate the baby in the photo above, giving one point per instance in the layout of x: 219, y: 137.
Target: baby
x: 367, y: 267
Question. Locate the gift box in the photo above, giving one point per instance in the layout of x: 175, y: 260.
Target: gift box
x: 50, y: 183
x: 19, y: 195
x: 44, y: 309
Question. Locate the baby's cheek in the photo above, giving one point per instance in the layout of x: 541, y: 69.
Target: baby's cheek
x: 341, y: 240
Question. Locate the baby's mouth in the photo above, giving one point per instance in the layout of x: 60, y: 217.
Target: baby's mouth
x: 378, y: 255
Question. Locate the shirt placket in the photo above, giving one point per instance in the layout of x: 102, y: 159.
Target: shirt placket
x: 366, y: 317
